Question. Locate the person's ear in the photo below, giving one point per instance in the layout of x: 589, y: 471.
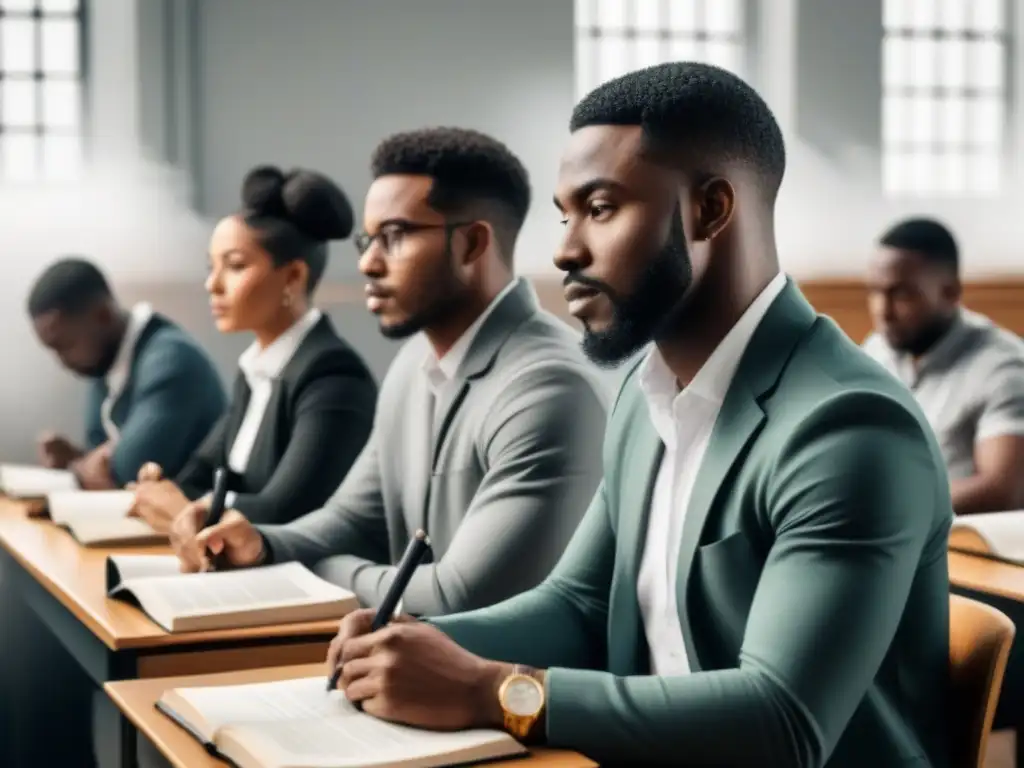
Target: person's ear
x: 477, y: 237
x: 103, y: 313
x: 714, y: 202
x: 296, y: 282
x: 953, y: 290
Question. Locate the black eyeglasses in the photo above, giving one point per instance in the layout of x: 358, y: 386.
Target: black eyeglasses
x: 390, y: 236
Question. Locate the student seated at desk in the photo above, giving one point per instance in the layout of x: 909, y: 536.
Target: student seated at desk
x: 487, y: 432
x: 303, y: 400
x: 761, y: 578
x: 966, y: 372
x: 154, y: 393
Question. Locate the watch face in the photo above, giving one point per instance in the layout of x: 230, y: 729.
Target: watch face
x: 523, y: 697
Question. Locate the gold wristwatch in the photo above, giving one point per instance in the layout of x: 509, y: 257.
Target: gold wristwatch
x: 522, y: 699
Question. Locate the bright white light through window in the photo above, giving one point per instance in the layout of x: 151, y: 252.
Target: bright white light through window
x: 944, y: 91
x: 40, y: 90
x: 614, y: 37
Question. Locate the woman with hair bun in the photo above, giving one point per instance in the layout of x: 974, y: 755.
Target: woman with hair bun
x: 303, y: 400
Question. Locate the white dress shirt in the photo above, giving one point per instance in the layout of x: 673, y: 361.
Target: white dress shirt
x: 684, y: 420
x: 261, y: 366
x: 119, y: 373
x: 441, y: 372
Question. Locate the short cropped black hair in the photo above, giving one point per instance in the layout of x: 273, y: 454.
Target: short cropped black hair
x: 473, y: 175
x: 70, y: 285
x: 691, y: 103
x: 926, y: 237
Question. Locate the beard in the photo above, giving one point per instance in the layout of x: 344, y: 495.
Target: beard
x: 447, y: 295
x: 102, y: 366
x: 638, y: 318
x: 926, y: 338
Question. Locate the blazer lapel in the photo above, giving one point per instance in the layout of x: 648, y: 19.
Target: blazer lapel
x: 740, y: 419
x: 239, y: 403
x: 514, y: 309
x: 628, y: 652
x: 444, y: 412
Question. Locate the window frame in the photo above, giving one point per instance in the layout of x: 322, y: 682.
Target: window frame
x: 939, y: 150
x: 589, y: 36
x: 39, y: 127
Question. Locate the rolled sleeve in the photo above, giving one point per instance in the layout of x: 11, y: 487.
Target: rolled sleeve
x: 1002, y: 411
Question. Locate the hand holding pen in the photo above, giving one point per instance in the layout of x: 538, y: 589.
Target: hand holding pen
x: 215, y: 512
x: 390, y: 606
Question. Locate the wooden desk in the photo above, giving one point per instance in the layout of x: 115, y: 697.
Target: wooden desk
x: 991, y: 577
x: 137, y: 699
x: 65, y: 585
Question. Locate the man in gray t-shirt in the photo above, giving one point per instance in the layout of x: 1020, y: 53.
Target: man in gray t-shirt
x: 966, y: 372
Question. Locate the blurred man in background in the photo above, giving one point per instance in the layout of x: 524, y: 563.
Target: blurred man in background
x: 154, y: 393
x: 966, y: 372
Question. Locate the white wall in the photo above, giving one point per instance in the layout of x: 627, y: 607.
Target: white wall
x: 826, y: 84
x: 321, y: 82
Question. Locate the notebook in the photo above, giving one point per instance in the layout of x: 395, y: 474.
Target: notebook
x: 998, y: 535
x: 100, y: 518
x: 21, y: 481
x: 247, y: 597
x: 297, y: 724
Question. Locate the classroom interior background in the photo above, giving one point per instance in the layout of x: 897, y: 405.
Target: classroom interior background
x: 125, y: 126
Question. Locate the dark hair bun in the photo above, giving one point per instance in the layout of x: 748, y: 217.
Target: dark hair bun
x: 311, y: 202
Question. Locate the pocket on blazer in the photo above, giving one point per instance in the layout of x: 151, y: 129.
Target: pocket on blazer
x: 729, y: 570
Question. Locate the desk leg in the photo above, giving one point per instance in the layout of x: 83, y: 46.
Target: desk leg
x: 128, y: 743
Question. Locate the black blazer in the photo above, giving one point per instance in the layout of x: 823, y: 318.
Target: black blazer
x: 317, y: 420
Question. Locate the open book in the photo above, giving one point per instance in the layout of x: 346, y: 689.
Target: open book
x: 100, y: 518
x: 297, y: 724
x: 20, y: 481
x: 248, y: 597
x: 999, y: 535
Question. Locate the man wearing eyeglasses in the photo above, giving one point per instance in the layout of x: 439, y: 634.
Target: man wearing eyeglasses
x: 489, y: 422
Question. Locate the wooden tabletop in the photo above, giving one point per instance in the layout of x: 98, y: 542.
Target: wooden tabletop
x: 137, y: 701
x: 983, y: 574
x: 76, y: 576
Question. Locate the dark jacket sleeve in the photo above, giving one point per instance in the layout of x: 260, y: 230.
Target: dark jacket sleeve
x: 178, y: 396
x: 95, y: 435
x: 196, y: 478
x: 332, y: 417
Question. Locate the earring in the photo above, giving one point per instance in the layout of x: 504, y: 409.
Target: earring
x: 286, y: 300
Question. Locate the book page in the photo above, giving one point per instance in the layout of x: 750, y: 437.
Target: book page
x: 245, y: 589
x: 116, y: 530
x: 67, y: 505
x: 264, y: 702
x: 24, y: 481
x: 1002, y: 531
x: 298, y: 722
x: 122, y: 568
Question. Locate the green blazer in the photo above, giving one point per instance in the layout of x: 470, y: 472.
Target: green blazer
x: 813, y: 588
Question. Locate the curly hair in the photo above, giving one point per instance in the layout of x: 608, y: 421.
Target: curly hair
x: 473, y: 175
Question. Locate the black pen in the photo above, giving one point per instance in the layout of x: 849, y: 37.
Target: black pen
x: 418, y: 547
x: 216, y: 509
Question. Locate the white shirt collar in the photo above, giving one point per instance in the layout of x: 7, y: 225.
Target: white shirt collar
x: 138, y: 318
x: 712, y: 381
x: 439, y: 372
x: 267, y: 363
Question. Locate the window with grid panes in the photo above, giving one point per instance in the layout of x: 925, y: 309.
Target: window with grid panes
x: 944, y: 110
x: 617, y: 36
x: 41, y: 100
